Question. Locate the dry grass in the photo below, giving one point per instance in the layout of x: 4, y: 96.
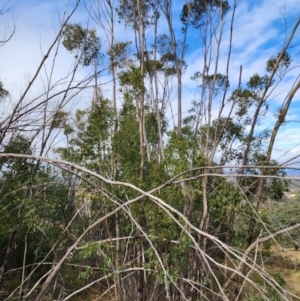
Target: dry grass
x: 287, y: 263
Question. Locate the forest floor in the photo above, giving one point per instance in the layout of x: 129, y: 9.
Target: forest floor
x: 286, y: 263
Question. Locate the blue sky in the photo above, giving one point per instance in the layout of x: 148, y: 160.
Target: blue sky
x: 261, y: 28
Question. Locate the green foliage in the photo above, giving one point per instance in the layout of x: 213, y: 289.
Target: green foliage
x: 126, y: 143
x: 168, y: 58
x: 224, y: 197
x: 152, y: 66
x: 152, y: 128
x: 283, y: 64
x: 247, y: 98
x: 3, y: 93
x: 128, y: 11
x: 197, y: 12
x: 133, y: 79
x: 244, y: 98
x: 271, y: 293
x: 258, y: 83
x: 59, y: 120
x: 168, y: 61
x: 275, y: 187
x: 84, y: 42
x: 118, y: 53
x: 283, y: 215
x: 229, y: 133
x: 35, y: 202
x: 218, y: 82
x: 86, y: 274
x: 182, y: 151
x: 90, y: 136
x: 163, y: 44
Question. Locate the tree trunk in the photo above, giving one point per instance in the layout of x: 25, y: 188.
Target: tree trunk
x: 140, y: 278
x: 118, y: 282
x: 7, y: 256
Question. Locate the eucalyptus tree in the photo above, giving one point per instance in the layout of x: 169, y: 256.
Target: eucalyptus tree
x: 178, y: 52
x: 184, y: 224
x: 137, y: 14
x: 104, y: 14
